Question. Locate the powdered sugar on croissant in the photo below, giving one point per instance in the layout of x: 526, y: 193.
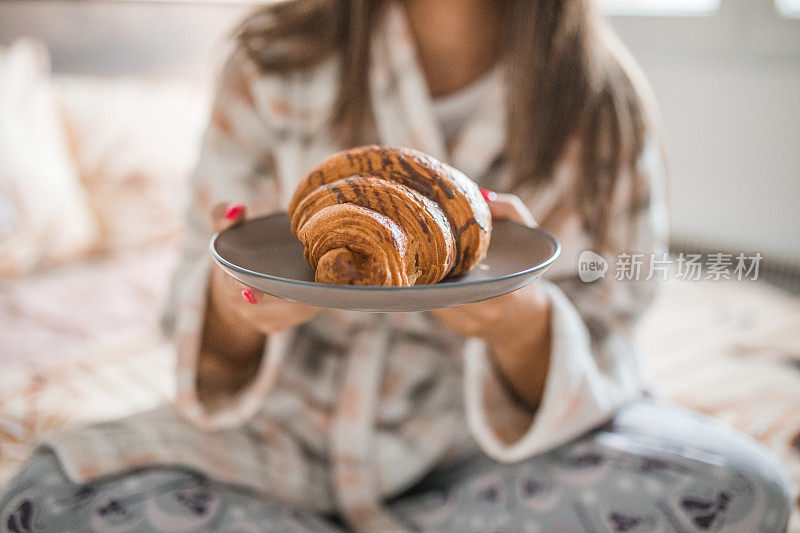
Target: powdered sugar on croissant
x: 389, y: 216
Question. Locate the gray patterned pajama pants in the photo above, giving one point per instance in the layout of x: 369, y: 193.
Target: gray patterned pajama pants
x: 654, y: 468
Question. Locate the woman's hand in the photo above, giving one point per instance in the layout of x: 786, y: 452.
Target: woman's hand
x: 238, y: 320
x: 516, y: 326
x: 237, y: 303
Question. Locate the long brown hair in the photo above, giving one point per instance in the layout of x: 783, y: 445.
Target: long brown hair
x: 568, y: 79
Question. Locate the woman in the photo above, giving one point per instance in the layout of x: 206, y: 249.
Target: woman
x: 290, y: 416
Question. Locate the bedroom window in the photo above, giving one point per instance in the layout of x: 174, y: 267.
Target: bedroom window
x: 788, y: 8
x: 661, y: 7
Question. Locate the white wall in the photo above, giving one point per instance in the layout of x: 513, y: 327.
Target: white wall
x: 729, y: 91
x: 125, y: 37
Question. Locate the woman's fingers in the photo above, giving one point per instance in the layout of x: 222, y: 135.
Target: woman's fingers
x: 508, y: 206
x: 227, y: 214
x: 251, y: 295
x: 223, y: 216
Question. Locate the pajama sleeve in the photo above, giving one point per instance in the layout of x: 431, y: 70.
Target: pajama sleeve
x: 594, y: 366
x: 236, y: 164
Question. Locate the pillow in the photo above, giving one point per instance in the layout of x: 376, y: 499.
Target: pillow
x: 44, y: 214
x: 135, y: 141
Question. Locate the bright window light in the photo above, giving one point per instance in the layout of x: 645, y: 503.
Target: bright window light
x: 234, y: 2
x: 788, y: 8
x: 663, y: 7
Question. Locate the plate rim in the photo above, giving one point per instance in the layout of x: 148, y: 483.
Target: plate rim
x: 389, y: 288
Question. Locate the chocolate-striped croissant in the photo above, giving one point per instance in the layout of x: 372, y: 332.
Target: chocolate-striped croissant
x: 376, y: 215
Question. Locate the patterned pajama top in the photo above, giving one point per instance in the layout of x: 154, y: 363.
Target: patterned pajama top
x: 353, y: 407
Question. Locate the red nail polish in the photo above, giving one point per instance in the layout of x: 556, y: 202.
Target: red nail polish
x: 248, y: 295
x: 489, y: 196
x: 233, y: 211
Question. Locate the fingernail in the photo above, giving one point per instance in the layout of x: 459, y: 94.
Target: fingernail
x: 489, y: 196
x: 248, y: 295
x: 233, y: 211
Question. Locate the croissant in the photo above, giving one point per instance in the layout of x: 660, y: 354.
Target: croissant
x: 377, y: 215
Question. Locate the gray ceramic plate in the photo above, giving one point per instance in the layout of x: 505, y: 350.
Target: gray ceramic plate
x: 263, y: 253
